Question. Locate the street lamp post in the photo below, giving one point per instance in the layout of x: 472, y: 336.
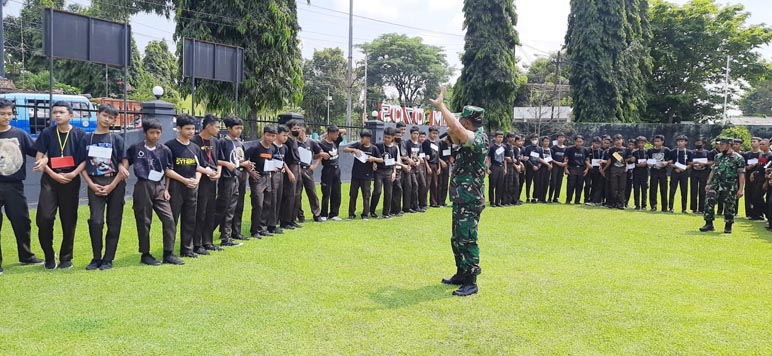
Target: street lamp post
x: 328, y: 99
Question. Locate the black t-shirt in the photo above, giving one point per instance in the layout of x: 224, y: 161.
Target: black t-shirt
x: 497, y: 153
x: 558, y: 153
x: 145, y: 160
x: 232, y: 151
x: 49, y: 144
x: 259, y: 154
x: 712, y: 155
x: 310, y: 145
x: 432, y: 150
x: 279, y: 154
x: 387, y: 153
x: 533, y: 161
x: 15, y: 146
x: 445, y: 151
x: 209, y: 150
x: 576, y: 157
x: 614, y: 161
x: 413, y: 150
x: 364, y: 170
x: 331, y: 148
x: 185, y: 158
x: 681, y: 156
x: 100, y: 166
x: 291, y: 156
x: 660, y: 155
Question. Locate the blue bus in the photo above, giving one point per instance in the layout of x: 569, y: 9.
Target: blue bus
x: 33, y: 111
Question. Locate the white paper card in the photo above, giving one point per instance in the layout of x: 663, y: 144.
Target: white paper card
x: 422, y: 155
x: 595, y: 163
x: 102, y: 152
x: 268, y: 166
x: 434, y: 147
x: 279, y: 164
x: 534, y: 154
x: 388, y: 162
x: 651, y: 162
x: 500, y: 150
x: 554, y: 142
x: 362, y: 158
x: 305, y: 155
x: 446, y: 152
x: 631, y: 166
x: 548, y: 159
x: 680, y: 166
x: 155, y: 176
x: 414, y: 149
x: 701, y: 160
x: 753, y: 161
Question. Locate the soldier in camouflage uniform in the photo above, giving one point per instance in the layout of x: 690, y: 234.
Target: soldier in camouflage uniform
x: 466, y: 190
x: 725, y: 185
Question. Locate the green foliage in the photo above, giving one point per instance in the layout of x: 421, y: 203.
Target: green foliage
x: 413, y: 68
x: 326, y: 70
x: 40, y: 82
x: 689, y: 48
x: 738, y: 132
x: 758, y: 101
x: 160, y: 67
x: 490, y: 76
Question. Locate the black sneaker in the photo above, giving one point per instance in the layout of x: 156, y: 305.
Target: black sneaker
x: 287, y: 227
x: 201, y: 251
x: 364, y: 217
x: 94, y: 264
x: 302, y: 220
x: 189, y: 254
x: 173, y: 260
x: 240, y: 237
x: 317, y: 219
x: 352, y: 217
x: 65, y: 265
x: 230, y: 243
x: 374, y: 215
x: 387, y: 217
x: 212, y: 248
x: 50, y: 264
x: 257, y: 236
x: 32, y: 261
x: 264, y: 233
x: 399, y: 214
x: 148, y: 259
x: 296, y: 225
x: 106, y: 265
x: 276, y: 231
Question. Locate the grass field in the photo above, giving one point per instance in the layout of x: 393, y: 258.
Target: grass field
x: 556, y: 280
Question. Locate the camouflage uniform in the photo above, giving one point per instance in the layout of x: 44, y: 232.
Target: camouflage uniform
x: 466, y: 191
x: 723, y: 187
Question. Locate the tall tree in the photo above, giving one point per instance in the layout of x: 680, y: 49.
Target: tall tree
x: 267, y: 30
x: 407, y: 64
x: 758, y: 101
x: 634, y: 65
x: 325, y: 71
x: 689, y: 47
x: 489, y: 77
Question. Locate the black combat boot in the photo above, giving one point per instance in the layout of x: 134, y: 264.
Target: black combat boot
x: 728, y: 227
x: 708, y: 226
x: 468, y: 288
x: 457, y: 279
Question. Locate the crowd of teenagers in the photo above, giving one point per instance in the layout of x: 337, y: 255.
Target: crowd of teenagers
x: 197, y: 183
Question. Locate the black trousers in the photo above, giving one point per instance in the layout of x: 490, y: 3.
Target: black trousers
x: 291, y: 195
x: 640, y: 188
x: 353, y: 195
x: 521, y: 178
x: 511, y: 185
x: 754, y: 194
x: 330, y: 191
x: 496, y: 185
x: 260, y: 190
x: 309, y: 186
x: 97, y: 205
x: 556, y: 181
x: 423, y: 187
x: 444, y: 181
x: 206, y: 210
x: 407, y: 189
x: 542, y: 181
x: 679, y: 180
x: 433, y: 184
x: 629, y: 187
x: 13, y: 200
x: 64, y: 197
x: 598, y: 186
x: 588, y: 186
x: 617, y: 183
x: 184, y: 199
x: 658, y: 179
x: 575, y: 186
x: 225, y: 207
x: 148, y: 196
x: 396, y: 193
x: 273, y: 201
x: 699, y: 180
x: 530, y: 175
x: 238, y: 214
x: 382, y: 184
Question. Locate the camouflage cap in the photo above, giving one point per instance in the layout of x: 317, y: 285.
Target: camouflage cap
x: 473, y: 113
x: 724, y: 140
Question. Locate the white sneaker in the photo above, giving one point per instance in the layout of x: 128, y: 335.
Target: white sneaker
x: 336, y: 219
x: 322, y: 219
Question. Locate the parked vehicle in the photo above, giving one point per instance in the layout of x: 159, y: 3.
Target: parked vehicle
x: 33, y: 111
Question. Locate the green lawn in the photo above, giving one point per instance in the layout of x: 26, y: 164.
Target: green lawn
x: 556, y: 280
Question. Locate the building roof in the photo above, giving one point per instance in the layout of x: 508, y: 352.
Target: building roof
x: 750, y: 120
x: 545, y: 113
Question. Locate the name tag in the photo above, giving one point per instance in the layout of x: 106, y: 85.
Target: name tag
x: 388, y: 162
x: 595, y: 162
x: 446, y: 152
x: 62, y: 162
x: 99, y: 151
x: 268, y: 166
x: 534, y: 154
x: 422, y: 155
x: 631, y: 166
x: 155, y: 176
x: 278, y: 164
x: 753, y: 161
x: 500, y: 150
x: 651, y: 162
x: 617, y: 156
x: 680, y: 166
x: 700, y: 160
x: 434, y: 147
x: 415, y: 149
x: 548, y: 159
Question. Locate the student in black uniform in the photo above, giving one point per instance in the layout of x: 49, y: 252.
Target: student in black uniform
x: 293, y: 181
x: 445, y: 156
x: 593, y: 183
x: 542, y: 178
x: 385, y: 174
x: 60, y: 184
x: 497, y: 170
x: 511, y: 180
x: 16, y: 144
x: 681, y: 159
x: 271, y: 209
x: 330, y: 173
x: 410, y: 183
x: 640, y: 173
x: 362, y: 172
x: 556, y: 175
x: 182, y: 181
x: 432, y: 149
x: 523, y: 158
x: 234, y: 164
x: 422, y: 175
x: 606, y: 187
x: 577, y: 165
x: 307, y: 177
x: 401, y: 172
x: 151, y: 161
x: 261, y: 191
x: 206, y: 212
x: 658, y: 171
x: 757, y: 180
x: 532, y: 164
x: 630, y: 168
x: 106, y: 180
x: 698, y: 177
x: 616, y: 172
x: 753, y: 207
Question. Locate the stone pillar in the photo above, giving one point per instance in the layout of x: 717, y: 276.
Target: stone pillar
x: 165, y: 113
x: 376, y: 127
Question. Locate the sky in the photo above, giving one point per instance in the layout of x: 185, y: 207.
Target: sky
x: 541, y: 24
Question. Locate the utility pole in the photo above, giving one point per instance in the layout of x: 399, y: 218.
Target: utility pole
x: 349, y: 70
x: 557, y: 88
x: 726, y: 88
x: 2, y: 40
x: 328, y: 99
x: 364, y: 103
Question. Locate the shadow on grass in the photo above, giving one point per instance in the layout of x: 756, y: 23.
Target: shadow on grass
x: 395, y: 298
